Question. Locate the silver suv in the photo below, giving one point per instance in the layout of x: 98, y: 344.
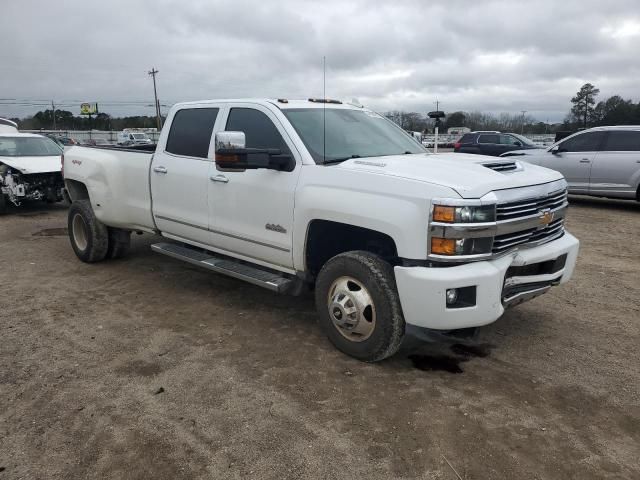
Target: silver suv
x: 601, y: 161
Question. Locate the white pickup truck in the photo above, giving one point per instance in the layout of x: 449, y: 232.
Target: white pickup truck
x: 287, y: 194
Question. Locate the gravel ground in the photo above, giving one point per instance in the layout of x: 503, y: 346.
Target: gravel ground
x: 150, y: 368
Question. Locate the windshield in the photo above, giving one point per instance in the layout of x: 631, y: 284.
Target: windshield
x: 139, y: 136
x: 524, y: 140
x: 349, y: 134
x: 28, y: 147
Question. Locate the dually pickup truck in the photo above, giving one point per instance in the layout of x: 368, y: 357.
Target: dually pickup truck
x: 291, y: 194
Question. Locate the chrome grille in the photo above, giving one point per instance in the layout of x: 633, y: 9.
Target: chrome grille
x: 531, y: 206
x: 502, y: 243
x: 502, y: 166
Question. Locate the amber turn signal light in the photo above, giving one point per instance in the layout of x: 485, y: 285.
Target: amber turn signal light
x: 444, y: 214
x: 443, y: 246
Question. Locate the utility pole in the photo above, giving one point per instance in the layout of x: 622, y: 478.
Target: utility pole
x: 53, y: 114
x: 522, y: 123
x: 155, y: 93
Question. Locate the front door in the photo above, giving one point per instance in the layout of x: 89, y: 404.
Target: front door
x: 575, y: 158
x: 252, y: 210
x: 180, y: 176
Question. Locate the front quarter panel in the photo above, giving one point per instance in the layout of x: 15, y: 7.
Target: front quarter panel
x: 394, y: 206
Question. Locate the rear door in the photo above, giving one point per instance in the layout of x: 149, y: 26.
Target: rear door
x: 252, y: 210
x: 575, y: 158
x: 616, y: 168
x: 180, y: 175
x: 489, y: 144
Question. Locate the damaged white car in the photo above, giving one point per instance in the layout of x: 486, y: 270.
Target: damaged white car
x: 29, y: 167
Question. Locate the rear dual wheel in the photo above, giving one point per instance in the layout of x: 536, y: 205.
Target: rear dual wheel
x: 91, y: 240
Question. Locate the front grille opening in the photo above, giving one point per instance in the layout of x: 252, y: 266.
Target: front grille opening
x: 554, y: 230
x: 532, y: 206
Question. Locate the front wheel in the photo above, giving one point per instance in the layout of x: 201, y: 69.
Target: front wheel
x: 88, y: 235
x: 359, y: 307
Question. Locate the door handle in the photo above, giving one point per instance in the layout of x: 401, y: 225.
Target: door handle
x: 219, y: 179
x: 585, y: 160
x: 159, y: 169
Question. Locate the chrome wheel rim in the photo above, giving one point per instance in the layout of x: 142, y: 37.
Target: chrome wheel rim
x: 79, y: 229
x: 351, y: 309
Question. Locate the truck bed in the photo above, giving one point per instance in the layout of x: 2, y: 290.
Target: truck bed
x: 118, y: 179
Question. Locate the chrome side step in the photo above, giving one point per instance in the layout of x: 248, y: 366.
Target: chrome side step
x: 262, y: 278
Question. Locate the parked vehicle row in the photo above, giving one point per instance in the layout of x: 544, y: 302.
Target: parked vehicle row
x: 318, y: 194
x: 601, y: 161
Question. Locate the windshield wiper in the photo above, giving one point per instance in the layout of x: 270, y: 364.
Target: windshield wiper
x: 339, y: 160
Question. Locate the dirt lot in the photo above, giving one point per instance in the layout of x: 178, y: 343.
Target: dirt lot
x: 150, y: 368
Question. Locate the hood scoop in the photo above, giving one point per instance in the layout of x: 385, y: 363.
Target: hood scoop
x: 503, y: 166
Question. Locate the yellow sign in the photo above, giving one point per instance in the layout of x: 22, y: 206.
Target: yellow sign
x: 88, y: 109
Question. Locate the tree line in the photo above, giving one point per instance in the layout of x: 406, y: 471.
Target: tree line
x: 585, y: 112
x: 66, y: 120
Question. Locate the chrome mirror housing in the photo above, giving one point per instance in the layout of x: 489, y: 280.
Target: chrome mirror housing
x: 230, y: 140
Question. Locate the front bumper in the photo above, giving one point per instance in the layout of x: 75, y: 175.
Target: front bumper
x: 422, y: 290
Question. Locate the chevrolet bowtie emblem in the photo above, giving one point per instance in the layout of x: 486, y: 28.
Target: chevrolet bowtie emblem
x: 546, y: 217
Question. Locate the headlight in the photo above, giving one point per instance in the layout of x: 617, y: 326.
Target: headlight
x: 464, y: 214
x: 461, y: 246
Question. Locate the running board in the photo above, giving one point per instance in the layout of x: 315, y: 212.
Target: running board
x: 262, y: 278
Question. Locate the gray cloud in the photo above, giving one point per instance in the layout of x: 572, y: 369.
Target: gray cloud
x: 491, y: 55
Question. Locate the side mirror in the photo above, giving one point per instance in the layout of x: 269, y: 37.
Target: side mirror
x: 232, y: 154
x: 517, y: 144
x: 557, y: 149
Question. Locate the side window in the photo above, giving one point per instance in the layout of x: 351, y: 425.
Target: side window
x: 259, y: 130
x: 466, y: 138
x: 585, y: 142
x: 508, y: 140
x: 491, y: 138
x: 622, y: 141
x: 191, y: 131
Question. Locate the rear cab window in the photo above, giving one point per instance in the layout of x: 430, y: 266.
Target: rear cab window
x: 191, y: 131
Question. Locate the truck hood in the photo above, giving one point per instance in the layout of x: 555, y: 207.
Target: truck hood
x: 38, y: 164
x: 469, y: 175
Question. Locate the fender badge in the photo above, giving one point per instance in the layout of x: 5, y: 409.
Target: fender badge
x: 275, y: 228
x: 77, y: 162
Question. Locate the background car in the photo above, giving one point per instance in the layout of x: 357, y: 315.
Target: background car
x: 601, y: 161
x: 64, y: 141
x: 492, y: 143
x: 97, y: 142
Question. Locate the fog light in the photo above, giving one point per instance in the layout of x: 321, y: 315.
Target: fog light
x: 452, y: 296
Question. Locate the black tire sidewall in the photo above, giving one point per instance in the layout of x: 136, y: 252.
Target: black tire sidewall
x: 3, y: 204
x: 97, y: 235
x: 380, y: 282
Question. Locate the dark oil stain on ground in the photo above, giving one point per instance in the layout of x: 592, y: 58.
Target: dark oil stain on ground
x: 451, y: 363
x: 51, y: 232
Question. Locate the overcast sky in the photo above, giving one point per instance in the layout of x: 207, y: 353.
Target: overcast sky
x: 495, y: 56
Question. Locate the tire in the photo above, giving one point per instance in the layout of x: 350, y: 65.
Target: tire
x: 89, y: 237
x: 3, y: 204
x: 119, y: 242
x: 370, y: 334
